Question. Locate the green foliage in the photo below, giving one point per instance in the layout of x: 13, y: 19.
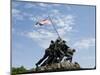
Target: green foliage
x: 18, y: 70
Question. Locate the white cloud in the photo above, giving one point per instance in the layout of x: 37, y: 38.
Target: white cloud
x: 54, y: 12
x: 20, y: 15
x: 48, y: 5
x: 41, y: 34
x: 17, y: 14
x: 43, y: 4
x: 29, y: 5
x: 61, y: 19
x: 15, y: 11
x: 85, y: 43
x: 42, y: 37
x: 64, y: 23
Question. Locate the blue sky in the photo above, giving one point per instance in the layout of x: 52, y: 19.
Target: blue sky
x: 75, y: 24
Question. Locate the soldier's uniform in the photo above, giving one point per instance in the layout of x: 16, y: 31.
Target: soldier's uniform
x: 64, y: 47
x: 49, y: 59
x: 58, y: 53
x: 44, y: 57
x: 61, y: 48
x: 69, y: 54
x: 48, y: 53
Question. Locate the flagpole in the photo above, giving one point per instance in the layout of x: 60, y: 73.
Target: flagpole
x: 54, y: 26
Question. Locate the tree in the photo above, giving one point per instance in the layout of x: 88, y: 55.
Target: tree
x: 18, y: 70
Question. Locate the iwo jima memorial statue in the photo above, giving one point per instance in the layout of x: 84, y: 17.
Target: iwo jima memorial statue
x: 58, y: 56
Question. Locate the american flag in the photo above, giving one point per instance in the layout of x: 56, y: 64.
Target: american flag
x: 43, y: 22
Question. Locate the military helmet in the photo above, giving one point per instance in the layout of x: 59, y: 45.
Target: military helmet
x: 64, y: 41
x: 52, y: 41
x: 74, y: 50
x: 58, y: 40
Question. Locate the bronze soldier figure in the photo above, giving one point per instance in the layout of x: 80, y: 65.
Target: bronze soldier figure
x: 69, y: 54
x: 48, y: 53
x: 58, y: 53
